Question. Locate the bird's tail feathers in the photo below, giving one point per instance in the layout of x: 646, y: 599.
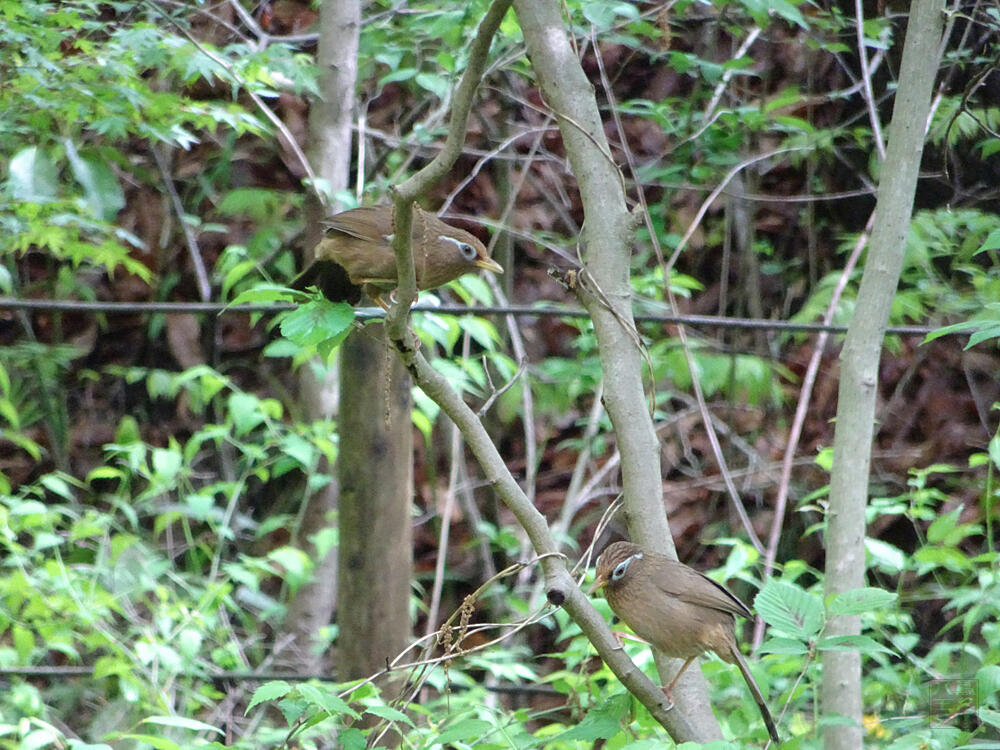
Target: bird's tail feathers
x: 331, y: 279
x: 758, y: 697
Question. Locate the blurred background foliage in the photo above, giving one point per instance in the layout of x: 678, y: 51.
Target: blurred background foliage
x: 154, y: 466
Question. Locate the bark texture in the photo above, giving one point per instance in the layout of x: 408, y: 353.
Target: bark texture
x: 330, y: 132
x: 605, y: 291
x: 845, y: 534
x: 375, y: 468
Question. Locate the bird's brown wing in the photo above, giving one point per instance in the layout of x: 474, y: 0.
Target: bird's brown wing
x: 364, y: 223
x: 366, y: 262
x: 688, y: 585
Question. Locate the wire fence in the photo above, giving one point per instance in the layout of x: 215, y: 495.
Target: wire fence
x: 369, y: 313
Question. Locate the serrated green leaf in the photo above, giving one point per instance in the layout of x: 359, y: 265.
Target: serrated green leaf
x: 317, y: 321
x: 863, y: 643
x: 789, y: 608
x: 779, y: 645
x: 600, y: 723
x: 326, y: 699
x: 269, y: 691
x: 859, y: 601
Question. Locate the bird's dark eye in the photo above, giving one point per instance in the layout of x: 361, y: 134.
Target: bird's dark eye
x: 619, y: 572
x: 467, y: 251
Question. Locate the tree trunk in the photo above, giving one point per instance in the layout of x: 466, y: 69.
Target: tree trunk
x: 330, y: 131
x: 845, y: 533
x: 375, y: 467
x: 605, y: 291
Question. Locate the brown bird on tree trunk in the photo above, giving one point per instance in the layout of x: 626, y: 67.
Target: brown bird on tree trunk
x: 355, y: 256
x: 677, y: 609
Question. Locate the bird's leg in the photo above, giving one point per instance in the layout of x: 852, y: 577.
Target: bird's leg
x: 669, y: 689
x: 619, y: 643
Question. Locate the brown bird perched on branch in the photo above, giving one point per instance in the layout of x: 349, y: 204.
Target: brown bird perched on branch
x: 355, y: 256
x: 677, y: 609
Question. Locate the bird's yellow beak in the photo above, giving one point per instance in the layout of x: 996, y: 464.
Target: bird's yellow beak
x: 597, y: 584
x: 488, y: 264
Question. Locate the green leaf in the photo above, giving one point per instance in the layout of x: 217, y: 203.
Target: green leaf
x: 600, y: 723
x: 160, y: 743
x: 46, y: 540
x: 24, y: 643
x: 269, y: 691
x: 985, y: 333
x: 400, y: 74
x: 265, y: 293
x: 464, y: 730
x: 780, y: 645
x: 327, y: 700
x: 859, y: 601
x: 351, y: 739
x: 885, y: 555
x: 863, y: 643
x: 317, y: 321
x: 789, y: 608
x: 57, y: 485
x: 295, y: 562
x: 167, y: 464
x: 949, y: 558
x: 298, y: 448
x: 438, y: 85
x: 603, y: 13
x: 246, y: 412
x: 235, y: 274
x: 761, y: 10
x: 103, y: 194
x: 389, y: 714
x: 992, y: 242
x: 991, y: 717
x: 39, y: 738
x: 33, y: 176
x: 988, y: 678
x: 182, y: 723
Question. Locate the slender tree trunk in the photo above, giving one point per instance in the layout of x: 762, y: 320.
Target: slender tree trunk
x: 605, y: 291
x: 330, y: 124
x: 845, y: 534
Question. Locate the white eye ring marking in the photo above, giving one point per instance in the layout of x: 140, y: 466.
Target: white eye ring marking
x: 619, y: 571
x: 468, y: 251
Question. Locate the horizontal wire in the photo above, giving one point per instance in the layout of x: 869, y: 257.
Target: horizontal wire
x: 51, y: 672
x: 368, y: 313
